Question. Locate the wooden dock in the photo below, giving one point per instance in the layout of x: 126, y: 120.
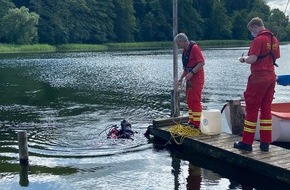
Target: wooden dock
x: 274, y: 165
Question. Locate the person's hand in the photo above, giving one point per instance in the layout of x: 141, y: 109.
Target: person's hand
x: 180, y: 81
x: 242, y: 59
x: 188, y: 76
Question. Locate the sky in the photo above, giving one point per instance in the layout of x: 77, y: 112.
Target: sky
x: 280, y: 4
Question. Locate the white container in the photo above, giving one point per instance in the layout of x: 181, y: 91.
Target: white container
x: 211, y: 122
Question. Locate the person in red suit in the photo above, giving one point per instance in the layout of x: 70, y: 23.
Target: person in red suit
x: 259, y: 93
x: 193, y: 72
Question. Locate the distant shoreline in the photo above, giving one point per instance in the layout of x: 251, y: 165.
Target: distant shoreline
x: 42, y: 48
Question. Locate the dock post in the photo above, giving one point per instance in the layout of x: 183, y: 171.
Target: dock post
x: 23, y: 148
x: 23, y: 158
x: 237, y: 117
x: 175, y: 112
x: 175, y: 104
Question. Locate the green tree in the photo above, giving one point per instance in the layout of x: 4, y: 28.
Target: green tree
x: 258, y: 8
x: 125, y: 22
x: 139, y: 12
x: 189, y: 20
x: 52, y: 28
x: 146, y: 30
x: 5, y: 5
x: 239, y: 25
x: 19, y: 26
x: 287, y: 32
x: 99, y: 21
x: 167, y: 7
x: 21, y: 3
x: 162, y: 29
x: 152, y: 21
x: 277, y: 23
x: 236, y: 5
x: 218, y: 23
x: 203, y: 7
x: 75, y: 21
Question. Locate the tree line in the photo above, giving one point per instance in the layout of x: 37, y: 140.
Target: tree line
x: 103, y: 21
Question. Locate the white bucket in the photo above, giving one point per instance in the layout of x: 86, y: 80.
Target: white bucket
x: 211, y: 122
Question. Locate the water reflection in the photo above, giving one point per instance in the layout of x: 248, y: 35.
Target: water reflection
x: 194, y: 177
x: 23, y: 175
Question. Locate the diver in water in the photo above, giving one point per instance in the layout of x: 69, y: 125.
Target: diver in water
x: 125, y: 132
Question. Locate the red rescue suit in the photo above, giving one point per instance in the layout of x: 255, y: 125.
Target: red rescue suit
x: 260, y: 87
x: 194, y: 86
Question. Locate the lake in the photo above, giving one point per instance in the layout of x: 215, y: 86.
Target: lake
x: 66, y: 101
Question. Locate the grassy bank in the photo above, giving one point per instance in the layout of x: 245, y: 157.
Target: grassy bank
x: 139, y: 45
x: 81, y: 47
x: 9, y: 48
x: 223, y: 43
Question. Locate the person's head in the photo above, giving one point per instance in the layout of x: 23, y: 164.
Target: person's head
x: 181, y: 40
x: 255, y: 26
x: 125, y: 125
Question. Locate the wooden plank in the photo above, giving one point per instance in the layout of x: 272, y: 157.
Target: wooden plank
x: 169, y: 121
x: 270, y: 156
x: 287, y: 165
x: 222, y: 138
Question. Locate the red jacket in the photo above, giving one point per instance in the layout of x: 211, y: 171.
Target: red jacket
x: 195, y: 58
x: 260, y: 46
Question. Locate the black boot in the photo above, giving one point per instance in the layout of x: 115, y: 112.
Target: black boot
x: 264, y: 147
x: 243, y: 146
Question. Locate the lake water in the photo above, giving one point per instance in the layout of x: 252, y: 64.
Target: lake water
x: 65, y: 101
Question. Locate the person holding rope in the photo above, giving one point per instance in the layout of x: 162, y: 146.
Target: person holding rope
x: 263, y: 52
x: 193, y: 72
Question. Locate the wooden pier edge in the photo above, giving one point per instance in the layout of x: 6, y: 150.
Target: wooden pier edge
x: 169, y: 121
x: 226, y: 153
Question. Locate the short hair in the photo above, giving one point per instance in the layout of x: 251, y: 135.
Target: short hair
x: 255, y: 22
x: 181, y: 37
